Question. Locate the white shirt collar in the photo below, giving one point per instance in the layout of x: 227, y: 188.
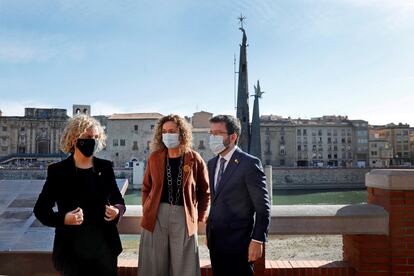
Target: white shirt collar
x: 229, y: 154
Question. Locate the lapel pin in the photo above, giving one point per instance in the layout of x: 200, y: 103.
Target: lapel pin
x: 99, y: 173
x: 186, y: 168
x: 236, y: 161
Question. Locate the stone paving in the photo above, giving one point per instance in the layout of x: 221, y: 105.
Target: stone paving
x: 20, y: 231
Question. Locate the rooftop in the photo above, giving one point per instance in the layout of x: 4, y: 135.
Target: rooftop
x: 135, y: 116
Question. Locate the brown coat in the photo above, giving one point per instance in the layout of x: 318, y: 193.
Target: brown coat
x: 195, y: 189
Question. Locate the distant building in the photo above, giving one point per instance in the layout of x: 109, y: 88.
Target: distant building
x: 29, y: 139
x: 399, y: 138
x: 201, y: 127
x: 129, y: 137
x: 81, y: 109
x: 412, y: 145
x: 380, y: 152
x: 318, y: 142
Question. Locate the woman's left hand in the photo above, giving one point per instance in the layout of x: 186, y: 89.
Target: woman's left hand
x: 111, y: 212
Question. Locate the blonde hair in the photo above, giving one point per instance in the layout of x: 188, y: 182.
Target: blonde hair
x: 186, y: 137
x: 78, y: 125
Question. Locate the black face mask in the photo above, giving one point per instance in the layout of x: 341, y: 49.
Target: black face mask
x: 87, y: 146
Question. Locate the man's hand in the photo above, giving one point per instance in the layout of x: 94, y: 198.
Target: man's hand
x: 111, y: 212
x: 255, y: 251
x: 74, y: 217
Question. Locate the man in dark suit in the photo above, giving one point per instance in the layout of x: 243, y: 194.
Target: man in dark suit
x: 239, y: 217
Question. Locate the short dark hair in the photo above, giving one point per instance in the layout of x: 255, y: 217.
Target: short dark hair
x: 231, y: 122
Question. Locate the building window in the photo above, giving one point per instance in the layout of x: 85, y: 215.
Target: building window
x: 22, y: 129
x: 298, y: 132
x: 299, y: 147
x: 304, y: 132
x: 135, y: 145
x: 329, y: 156
x: 122, y: 142
x: 329, y: 140
x: 201, y: 145
x: 343, y: 140
x: 135, y: 127
x: 319, y: 132
x: 4, y: 148
x: 4, y: 128
x: 22, y: 149
x: 152, y: 127
x: 282, y: 162
x: 115, y: 143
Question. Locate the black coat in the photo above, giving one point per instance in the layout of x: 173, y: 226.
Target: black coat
x: 60, y: 189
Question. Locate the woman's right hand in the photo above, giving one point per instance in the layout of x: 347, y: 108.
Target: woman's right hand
x: 74, y: 217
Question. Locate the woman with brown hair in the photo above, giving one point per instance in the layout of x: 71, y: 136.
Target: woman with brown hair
x: 175, y: 197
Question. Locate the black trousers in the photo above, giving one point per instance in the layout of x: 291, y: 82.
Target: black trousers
x: 227, y: 260
x: 105, y: 266
x: 90, y: 254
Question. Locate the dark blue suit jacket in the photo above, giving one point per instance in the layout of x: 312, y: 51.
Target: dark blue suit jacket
x: 240, y: 208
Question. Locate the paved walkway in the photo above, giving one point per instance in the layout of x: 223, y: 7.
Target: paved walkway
x: 20, y: 231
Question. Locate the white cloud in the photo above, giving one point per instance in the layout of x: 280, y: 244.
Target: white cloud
x: 31, y: 47
x: 16, y: 108
x: 398, y: 14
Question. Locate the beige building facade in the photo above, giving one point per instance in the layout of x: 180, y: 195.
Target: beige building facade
x: 328, y: 141
x: 26, y: 139
x: 398, y: 135
x: 380, y: 153
x: 129, y: 137
x: 200, y: 122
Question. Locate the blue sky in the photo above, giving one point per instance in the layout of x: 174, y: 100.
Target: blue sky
x: 313, y: 58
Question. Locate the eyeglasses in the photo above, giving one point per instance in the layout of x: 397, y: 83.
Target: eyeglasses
x: 217, y: 132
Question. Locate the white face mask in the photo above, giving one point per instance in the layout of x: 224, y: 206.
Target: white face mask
x: 170, y: 140
x: 216, y: 144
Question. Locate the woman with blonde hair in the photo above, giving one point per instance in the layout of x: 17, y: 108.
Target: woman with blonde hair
x: 88, y: 201
x: 175, y: 197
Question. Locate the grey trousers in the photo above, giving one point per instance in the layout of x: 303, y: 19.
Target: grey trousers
x: 169, y: 251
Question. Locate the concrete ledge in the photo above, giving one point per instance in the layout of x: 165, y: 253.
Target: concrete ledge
x: 300, y: 220
x: 329, y: 219
x: 391, y: 179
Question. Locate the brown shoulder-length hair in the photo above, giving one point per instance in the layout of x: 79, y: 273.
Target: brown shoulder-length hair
x: 186, y: 137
